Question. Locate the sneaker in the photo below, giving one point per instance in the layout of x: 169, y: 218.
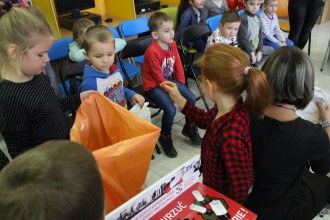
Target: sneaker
x: 167, y: 144
x: 192, y: 133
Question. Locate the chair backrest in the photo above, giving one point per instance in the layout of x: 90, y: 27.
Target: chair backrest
x: 282, y: 9
x: 195, y: 32
x: 136, y: 47
x: 114, y: 31
x: 214, y: 22
x: 68, y: 71
x: 133, y: 27
x: 59, y: 49
x: 171, y: 11
x: 240, y: 12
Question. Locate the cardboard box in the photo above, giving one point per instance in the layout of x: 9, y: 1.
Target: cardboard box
x: 175, y: 197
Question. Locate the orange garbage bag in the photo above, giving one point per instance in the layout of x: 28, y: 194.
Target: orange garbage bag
x: 121, y: 142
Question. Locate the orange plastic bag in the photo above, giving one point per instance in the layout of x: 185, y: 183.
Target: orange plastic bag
x: 121, y: 142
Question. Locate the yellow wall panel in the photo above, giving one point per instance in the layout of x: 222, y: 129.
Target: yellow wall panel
x: 120, y: 9
x: 170, y: 2
x: 48, y: 9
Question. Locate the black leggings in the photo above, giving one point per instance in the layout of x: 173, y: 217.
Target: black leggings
x: 302, y: 16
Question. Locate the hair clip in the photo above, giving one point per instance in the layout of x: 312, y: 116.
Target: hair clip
x: 7, y: 6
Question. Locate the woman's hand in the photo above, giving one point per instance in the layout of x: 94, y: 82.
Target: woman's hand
x: 324, y: 110
x: 138, y: 99
x: 172, y: 89
x: 85, y: 94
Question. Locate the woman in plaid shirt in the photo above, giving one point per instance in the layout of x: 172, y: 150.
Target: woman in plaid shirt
x: 226, y: 153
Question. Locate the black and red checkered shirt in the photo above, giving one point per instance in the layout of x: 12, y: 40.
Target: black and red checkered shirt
x: 226, y: 152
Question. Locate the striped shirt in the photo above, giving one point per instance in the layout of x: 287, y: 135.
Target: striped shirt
x: 270, y: 28
x: 31, y: 113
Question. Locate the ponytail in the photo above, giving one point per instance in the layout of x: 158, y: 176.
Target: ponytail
x: 258, y: 90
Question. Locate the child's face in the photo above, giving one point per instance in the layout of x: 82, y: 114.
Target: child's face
x: 165, y: 32
x: 36, y: 58
x: 229, y: 29
x: 252, y: 6
x: 198, y: 4
x: 101, y: 55
x: 271, y: 7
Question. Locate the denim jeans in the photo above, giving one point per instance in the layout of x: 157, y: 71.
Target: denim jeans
x: 275, y: 45
x: 164, y: 101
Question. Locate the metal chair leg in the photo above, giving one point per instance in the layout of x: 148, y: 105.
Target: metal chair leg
x: 309, y: 44
x: 326, y: 56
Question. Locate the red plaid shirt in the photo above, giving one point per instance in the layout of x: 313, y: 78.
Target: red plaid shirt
x: 226, y: 152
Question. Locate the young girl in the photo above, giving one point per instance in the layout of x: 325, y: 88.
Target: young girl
x: 76, y: 52
x: 30, y: 112
x: 226, y: 152
x: 190, y: 13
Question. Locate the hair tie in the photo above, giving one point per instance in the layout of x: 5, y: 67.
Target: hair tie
x: 7, y: 6
x: 246, y: 70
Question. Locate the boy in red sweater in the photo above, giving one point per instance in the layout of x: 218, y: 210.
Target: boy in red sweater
x: 162, y: 63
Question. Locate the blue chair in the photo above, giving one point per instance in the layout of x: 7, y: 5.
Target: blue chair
x: 132, y: 71
x: 214, y: 22
x: 132, y: 28
x: 59, y: 49
x: 240, y: 12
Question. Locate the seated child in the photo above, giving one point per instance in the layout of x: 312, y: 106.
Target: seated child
x: 162, y: 63
x: 273, y: 36
x: 190, y: 13
x: 213, y: 8
x: 76, y: 53
x: 55, y: 180
x: 100, y: 73
x: 249, y: 33
x: 227, y: 31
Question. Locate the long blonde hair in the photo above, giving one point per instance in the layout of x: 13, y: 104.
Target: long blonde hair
x: 22, y: 27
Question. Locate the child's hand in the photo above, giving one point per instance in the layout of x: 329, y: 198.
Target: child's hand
x: 253, y: 58
x: 282, y: 43
x: 138, y: 99
x: 259, y: 56
x: 85, y: 94
x: 172, y: 89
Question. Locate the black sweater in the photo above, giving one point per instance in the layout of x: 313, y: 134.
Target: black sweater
x: 31, y: 113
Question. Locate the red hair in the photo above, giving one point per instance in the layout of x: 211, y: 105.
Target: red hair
x: 225, y: 65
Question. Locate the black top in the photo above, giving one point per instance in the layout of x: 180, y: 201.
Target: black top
x: 31, y: 113
x: 281, y: 151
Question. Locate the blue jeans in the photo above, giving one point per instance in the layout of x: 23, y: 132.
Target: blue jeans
x: 275, y: 45
x: 164, y: 101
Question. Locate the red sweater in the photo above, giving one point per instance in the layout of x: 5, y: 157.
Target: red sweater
x: 159, y: 65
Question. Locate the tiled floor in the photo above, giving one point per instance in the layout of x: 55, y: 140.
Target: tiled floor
x: 162, y: 165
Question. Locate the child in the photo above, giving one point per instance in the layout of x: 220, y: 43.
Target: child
x: 56, y: 180
x: 190, y: 13
x: 101, y: 74
x: 30, y: 111
x: 213, y: 8
x: 227, y: 31
x: 161, y: 61
x: 226, y: 152
x: 76, y: 53
x: 249, y: 33
x: 273, y: 36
